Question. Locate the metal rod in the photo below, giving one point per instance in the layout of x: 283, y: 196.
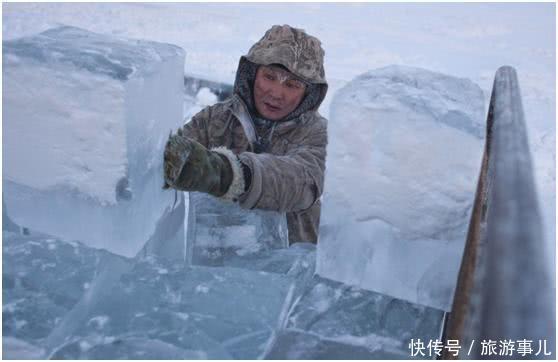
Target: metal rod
x: 504, y: 289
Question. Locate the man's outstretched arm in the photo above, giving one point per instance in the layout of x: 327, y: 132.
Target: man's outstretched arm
x: 289, y: 182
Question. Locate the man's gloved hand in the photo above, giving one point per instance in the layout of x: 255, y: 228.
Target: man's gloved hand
x: 189, y: 166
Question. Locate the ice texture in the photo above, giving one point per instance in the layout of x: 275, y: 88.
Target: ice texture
x: 13, y: 348
x: 203, y: 310
x: 59, y: 303
x: 43, y: 278
x: 334, y: 320
x: 155, y: 308
x: 7, y: 223
x: 295, y: 344
x: 85, y: 120
x: 404, y: 155
x: 221, y: 232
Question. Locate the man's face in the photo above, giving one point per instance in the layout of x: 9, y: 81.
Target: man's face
x: 277, y: 92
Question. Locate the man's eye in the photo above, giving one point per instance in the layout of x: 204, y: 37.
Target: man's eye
x: 294, y: 84
x: 269, y: 76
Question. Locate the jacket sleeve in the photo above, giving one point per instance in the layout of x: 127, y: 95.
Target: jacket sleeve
x: 290, y: 182
x: 196, y: 128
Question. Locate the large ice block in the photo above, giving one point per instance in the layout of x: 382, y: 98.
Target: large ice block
x: 403, y: 159
x: 85, y: 120
x: 221, y: 233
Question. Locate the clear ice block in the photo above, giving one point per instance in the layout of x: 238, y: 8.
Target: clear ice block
x: 400, y: 182
x: 85, y: 121
x: 221, y: 233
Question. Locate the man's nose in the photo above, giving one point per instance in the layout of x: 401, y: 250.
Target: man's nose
x: 276, y: 91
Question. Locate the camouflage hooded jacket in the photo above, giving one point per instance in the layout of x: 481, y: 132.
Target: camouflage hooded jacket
x: 289, y: 176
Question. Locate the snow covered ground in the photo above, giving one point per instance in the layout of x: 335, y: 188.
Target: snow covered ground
x: 463, y: 40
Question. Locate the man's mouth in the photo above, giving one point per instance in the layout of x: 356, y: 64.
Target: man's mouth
x: 272, y: 107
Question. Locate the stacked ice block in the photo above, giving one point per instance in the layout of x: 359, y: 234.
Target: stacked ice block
x: 402, y: 164
x: 85, y: 120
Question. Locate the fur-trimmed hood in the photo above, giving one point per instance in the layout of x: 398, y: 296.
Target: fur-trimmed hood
x: 298, y: 52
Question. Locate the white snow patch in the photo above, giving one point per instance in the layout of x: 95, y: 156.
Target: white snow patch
x: 11, y: 307
x: 206, y: 97
x: 162, y: 271
x: 183, y: 316
x: 202, y: 289
x: 99, y: 321
x: 19, y: 323
x: 84, y: 346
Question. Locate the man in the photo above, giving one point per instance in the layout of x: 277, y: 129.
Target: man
x: 265, y: 146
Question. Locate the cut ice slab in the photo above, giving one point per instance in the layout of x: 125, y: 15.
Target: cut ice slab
x: 85, y: 120
x: 221, y: 233
x: 155, y: 307
x: 420, y: 271
x: 208, y: 312
x: 402, y: 171
x: 43, y: 278
x: 338, y: 321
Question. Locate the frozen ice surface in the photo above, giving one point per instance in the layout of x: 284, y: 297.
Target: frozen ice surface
x: 85, y: 120
x: 57, y: 300
x: 214, y: 312
x: 294, y: 344
x: 268, y: 306
x: 334, y: 320
x: 294, y: 261
x: 7, y: 223
x: 42, y: 279
x: 13, y: 348
x: 403, y: 160
x: 126, y: 348
x: 335, y: 310
x: 221, y: 232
